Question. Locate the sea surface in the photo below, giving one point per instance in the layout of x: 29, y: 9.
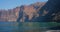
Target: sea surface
x: 26, y: 26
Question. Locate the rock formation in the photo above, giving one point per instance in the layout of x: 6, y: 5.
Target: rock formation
x: 40, y: 12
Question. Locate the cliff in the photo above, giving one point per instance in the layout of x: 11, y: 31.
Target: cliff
x: 29, y: 12
x: 40, y: 12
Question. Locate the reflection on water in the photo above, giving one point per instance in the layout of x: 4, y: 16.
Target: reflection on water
x: 26, y: 26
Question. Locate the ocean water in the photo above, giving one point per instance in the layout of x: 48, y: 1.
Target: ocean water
x: 26, y: 26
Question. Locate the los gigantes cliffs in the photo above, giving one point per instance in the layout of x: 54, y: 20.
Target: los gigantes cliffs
x: 36, y: 12
x: 29, y: 11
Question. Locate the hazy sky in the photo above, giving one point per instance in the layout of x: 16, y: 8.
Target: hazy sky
x: 8, y: 4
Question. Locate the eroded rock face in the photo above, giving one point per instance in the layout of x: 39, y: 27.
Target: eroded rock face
x: 40, y: 11
x: 28, y: 13
x: 52, y: 7
x: 9, y: 15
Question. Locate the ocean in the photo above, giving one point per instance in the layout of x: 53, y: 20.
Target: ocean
x: 26, y: 26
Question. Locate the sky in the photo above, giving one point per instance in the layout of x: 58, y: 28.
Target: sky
x: 9, y: 4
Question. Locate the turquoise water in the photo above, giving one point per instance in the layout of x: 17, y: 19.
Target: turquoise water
x: 26, y: 26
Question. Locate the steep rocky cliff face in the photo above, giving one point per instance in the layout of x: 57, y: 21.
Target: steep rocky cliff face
x: 47, y: 12
x: 9, y: 15
x: 30, y: 12
x: 22, y: 13
x: 52, y: 7
x: 40, y: 11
